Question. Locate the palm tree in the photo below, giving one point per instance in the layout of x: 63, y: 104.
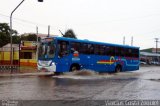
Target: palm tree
x: 70, y: 34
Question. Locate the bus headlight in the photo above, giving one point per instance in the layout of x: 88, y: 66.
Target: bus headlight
x: 52, y: 64
x: 39, y: 63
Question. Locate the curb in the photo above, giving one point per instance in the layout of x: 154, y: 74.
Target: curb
x: 27, y: 74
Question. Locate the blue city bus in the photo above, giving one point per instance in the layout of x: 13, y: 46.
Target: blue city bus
x: 61, y: 54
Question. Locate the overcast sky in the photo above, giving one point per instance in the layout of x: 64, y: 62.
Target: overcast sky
x: 97, y: 20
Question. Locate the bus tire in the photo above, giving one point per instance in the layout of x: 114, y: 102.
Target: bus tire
x: 74, y: 67
x: 118, y: 68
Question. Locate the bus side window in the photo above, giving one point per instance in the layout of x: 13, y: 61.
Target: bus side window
x: 84, y: 48
x: 128, y: 52
x: 75, y: 46
x: 122, y: 52
x: 107, y: 50
x: 135, y: 53
x: 119, y: 51
x: 96, y: 49
x: 63, y: 48
x: 90, y: 49
x: 102, y: 50
x: 112, y: 51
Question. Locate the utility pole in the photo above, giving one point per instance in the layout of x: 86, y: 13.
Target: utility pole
x: 48, y: 30
x: 11, y: 53
x: 37, y: 43
x: 156, y: 40
x: 124, y: 40
x: 132, y: 41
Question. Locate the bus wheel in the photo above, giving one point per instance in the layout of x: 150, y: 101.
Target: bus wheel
x: 118, y: 69
x: 74, y: 67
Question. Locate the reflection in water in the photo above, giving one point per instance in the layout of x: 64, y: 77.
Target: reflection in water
x: 132, y: 85
x: 26, y: 88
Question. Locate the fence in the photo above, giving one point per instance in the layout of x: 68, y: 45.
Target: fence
x: 5, y: 59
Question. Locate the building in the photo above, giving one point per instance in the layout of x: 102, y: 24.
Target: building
x: 150, y: 56
x: 5, y: 54
x: 24, y: 54
x: 28, y: 53
x: 151, y: 50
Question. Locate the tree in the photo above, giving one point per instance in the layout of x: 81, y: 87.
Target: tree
x: 5, y: 34
x: 16, y: 39
x: 70, y: 34
x: 32, y: 37
x: 29, y: 37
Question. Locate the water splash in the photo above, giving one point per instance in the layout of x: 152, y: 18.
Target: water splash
x: 84, y: 74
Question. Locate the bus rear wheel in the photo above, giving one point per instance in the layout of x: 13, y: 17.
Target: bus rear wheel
x: 74, y: 67
x: 118, y: 69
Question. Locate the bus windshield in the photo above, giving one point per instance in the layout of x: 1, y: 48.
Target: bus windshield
x: 46, y: 50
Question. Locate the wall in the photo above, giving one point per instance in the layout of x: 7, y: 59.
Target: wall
x: 28, y: 62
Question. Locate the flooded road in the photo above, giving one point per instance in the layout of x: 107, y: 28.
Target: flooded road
x: 142, y: 84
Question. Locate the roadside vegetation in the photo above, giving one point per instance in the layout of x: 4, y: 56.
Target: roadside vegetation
x: 16, y: 38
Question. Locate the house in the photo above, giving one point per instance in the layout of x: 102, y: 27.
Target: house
x: 24, y: 54
x: 28, y: 51
x: 5, y: 54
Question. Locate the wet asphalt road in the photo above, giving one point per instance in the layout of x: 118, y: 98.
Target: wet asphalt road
x: 142, y: 84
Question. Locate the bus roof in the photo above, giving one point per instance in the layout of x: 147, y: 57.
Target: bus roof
x: 93, y: 42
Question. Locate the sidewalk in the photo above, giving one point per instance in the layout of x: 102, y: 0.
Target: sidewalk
x: 25, y: 71
x: 27, y: 74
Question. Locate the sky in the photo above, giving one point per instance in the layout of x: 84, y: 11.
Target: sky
x: 96, y: 20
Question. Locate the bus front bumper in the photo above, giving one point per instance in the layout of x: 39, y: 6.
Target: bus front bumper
x: 51, y: 68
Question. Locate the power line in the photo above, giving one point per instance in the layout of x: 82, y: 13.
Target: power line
x: 22, y: 20
x: 4, y: 15
x: 29, y: 22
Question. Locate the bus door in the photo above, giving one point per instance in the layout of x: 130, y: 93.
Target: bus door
x: 63, y: 56
x: 75, y: 53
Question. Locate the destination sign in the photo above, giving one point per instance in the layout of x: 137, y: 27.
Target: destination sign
x: 48, y: 39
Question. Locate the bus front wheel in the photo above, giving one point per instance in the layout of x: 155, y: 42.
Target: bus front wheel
x: 118, y: 68
x: 74, y: 67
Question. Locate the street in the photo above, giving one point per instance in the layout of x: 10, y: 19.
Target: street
x: 143, y: 84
